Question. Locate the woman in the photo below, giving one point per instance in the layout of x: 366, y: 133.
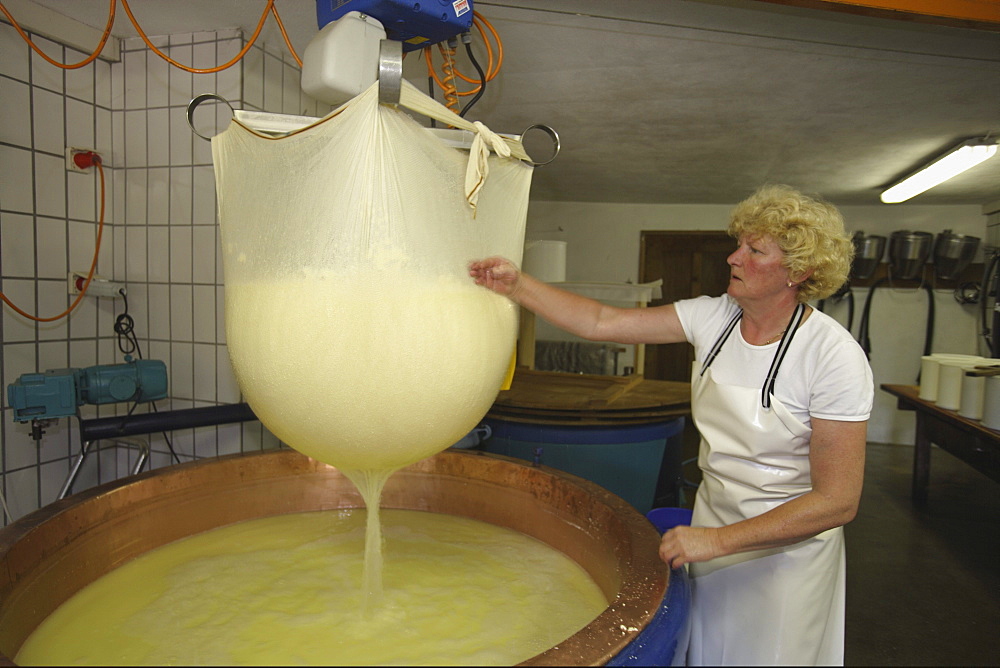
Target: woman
x: 781, y: 395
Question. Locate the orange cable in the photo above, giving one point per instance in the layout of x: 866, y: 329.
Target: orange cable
x: 194, y: 70
x: 496, y: 36
x: 90, y: 274
x: 432, y: 73
x: 270, y: 9
x: 86, y: 61
x: 448, y: 67
x: 288, y: 42
x: 491, y: 69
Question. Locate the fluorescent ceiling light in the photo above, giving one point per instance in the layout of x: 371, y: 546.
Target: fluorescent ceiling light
x: 966, y: 155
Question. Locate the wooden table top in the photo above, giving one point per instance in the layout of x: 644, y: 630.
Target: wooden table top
x: 547, y: 395
x: 909, y: 397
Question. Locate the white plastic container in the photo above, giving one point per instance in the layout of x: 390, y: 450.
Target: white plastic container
x: 950, y: 375
x: 991, y: 403
x: 930, y: 377
x: 973, y: 396
x: 545, y: 260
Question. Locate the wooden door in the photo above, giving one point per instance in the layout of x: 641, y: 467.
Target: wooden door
x: 691, y: 264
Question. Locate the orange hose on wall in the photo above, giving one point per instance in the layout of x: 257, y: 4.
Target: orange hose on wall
x: 93, y: 264
x: 270, y: 8
x: 86, y: 61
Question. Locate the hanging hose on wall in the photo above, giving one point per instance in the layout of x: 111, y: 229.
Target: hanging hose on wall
x: 268, y: 9
x: 863, y: 338
x: 86, y: 61
x: 844, y: 292
x: 863, y: 328
x: 89, y: 158
x: 86, y: 159
x: 988, y: 289
x: 850, y: 310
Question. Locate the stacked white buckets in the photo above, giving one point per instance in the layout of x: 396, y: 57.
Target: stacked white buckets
x: 960, y: 383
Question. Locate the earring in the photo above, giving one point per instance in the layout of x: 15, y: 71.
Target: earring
x: 789, y: 284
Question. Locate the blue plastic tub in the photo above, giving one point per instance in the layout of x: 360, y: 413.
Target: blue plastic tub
x: 667, y: 518
x: 624, y: 459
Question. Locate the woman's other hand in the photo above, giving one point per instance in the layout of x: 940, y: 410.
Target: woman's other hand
x: 684, y: 545
x: 497, y: 274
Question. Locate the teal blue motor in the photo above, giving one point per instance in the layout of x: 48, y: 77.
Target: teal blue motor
x: 60, y: 392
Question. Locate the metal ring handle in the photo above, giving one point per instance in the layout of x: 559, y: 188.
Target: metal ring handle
x: 390, y: 71
x: 193, y: 104
x: 555, y: 142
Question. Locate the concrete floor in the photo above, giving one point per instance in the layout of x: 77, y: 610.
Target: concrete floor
x: 923, y: 584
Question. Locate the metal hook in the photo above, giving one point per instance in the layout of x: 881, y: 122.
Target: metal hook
x: 555, y: 142
x: 193, y: 104
x: 390, y: 71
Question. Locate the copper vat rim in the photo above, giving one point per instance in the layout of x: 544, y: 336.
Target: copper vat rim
x: 641, y: 577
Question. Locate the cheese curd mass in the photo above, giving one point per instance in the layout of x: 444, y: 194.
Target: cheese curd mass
x: 369, y: 372
x: 286, y: 590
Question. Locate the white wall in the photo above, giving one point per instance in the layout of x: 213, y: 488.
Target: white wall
x: 603, y: 245
x: 160, y: 235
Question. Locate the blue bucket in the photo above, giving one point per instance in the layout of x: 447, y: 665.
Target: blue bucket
x: 665, y: 519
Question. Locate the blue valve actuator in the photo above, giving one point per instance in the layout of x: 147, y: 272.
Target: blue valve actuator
x: 60, y: 392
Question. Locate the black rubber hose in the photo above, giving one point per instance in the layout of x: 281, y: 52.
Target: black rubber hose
x: 929, y: 332
x: 849, y: 294
x: 150, y: 423
x: 850, y: 310
x: 863, y: 339
x: 984, y: 292
x: 482, y: 80
x: 430, y: 94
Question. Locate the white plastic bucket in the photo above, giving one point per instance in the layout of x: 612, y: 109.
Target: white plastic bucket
x: 991, y: 403
x: 973, y: 396
x: 946, y: 374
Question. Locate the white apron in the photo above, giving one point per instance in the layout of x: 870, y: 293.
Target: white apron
x: 781, y: 606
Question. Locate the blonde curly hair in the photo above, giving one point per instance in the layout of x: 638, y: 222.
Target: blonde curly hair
x: 809, y: 231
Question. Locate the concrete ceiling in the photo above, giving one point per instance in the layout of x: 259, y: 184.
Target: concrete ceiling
x: 698, y: 101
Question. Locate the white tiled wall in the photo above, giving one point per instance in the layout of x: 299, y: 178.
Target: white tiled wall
x: 160, y: 235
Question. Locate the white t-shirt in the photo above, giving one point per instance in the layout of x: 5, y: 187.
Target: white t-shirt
x: 825, y: 373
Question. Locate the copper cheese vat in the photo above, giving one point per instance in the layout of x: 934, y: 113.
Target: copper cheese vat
x: 51, y: 554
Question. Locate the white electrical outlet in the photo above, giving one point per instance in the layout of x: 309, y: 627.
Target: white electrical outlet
x: 99, y: 287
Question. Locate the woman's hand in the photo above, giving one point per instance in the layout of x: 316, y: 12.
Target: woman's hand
x: 684, y: 545
x: 497, y: 274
